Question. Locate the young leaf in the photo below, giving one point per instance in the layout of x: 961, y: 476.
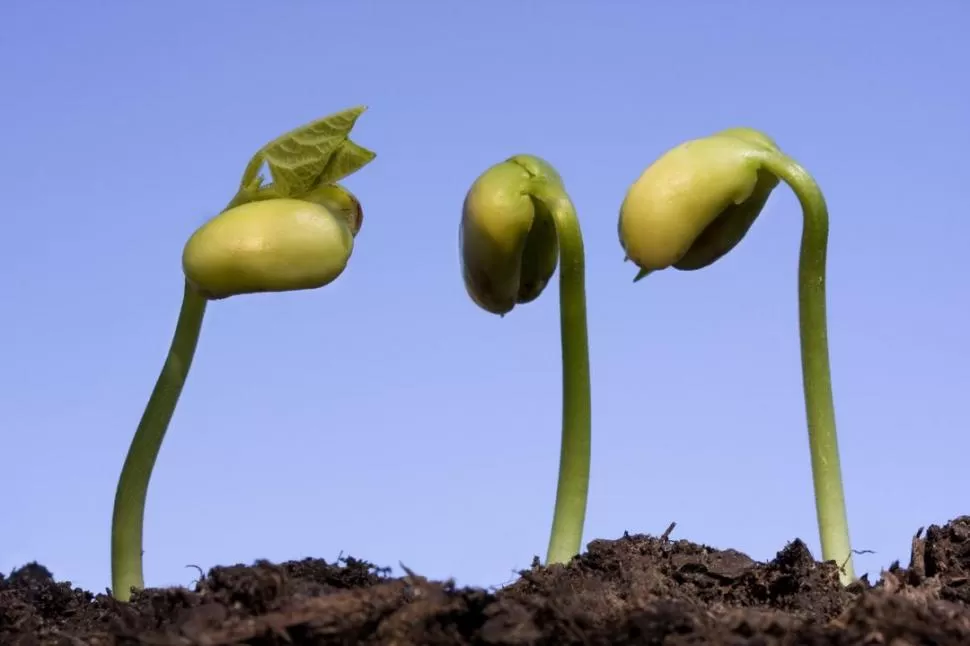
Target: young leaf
x: 317, y: 153
x: 347, y: 159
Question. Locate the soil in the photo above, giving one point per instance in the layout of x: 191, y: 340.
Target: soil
x: 635, y: 590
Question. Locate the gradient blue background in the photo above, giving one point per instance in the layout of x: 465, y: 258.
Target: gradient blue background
x: 387, y: 417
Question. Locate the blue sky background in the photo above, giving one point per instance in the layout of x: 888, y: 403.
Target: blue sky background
x: 387, y: 417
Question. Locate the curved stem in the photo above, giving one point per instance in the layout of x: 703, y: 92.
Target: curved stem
x: 569, y: 518
x: 129, y: 507
x: 128, y: 517
x: 816, y: 372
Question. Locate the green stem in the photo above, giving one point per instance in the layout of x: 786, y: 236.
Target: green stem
x: 569, y: 518
x: 128, y: 518
x: 816, y: 373
x: 129, y: 508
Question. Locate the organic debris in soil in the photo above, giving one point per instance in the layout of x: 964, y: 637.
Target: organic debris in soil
x: 635, y: 590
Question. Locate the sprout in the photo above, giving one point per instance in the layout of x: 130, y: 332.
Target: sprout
x: 693, y: 205
x: 516, y: 221
x: 295, y: 233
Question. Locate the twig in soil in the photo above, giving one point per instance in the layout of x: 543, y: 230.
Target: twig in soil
x: 665, y: 537
x: 917, y: 555
x: 844, y: 564
x: 515, y: 576
x: 412, y: 583
x: 862, y: 579
x: 201, y: 573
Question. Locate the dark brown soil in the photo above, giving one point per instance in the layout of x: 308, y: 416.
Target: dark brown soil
x: 635, y: 590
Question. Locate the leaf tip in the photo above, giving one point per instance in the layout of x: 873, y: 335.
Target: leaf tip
x: 643, y: 273
x: 357, y: 110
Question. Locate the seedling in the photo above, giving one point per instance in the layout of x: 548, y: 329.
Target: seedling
x: 692, y: 206
x: 295, y: 233
x: 516, y: 221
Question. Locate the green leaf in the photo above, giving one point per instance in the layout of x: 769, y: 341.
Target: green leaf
x: 347, y: 159
x: 317, y: 153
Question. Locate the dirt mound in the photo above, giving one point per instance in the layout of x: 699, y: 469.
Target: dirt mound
x: 635, y: 590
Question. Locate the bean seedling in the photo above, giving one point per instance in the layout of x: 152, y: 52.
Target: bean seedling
x: 693, y: 205
x: 295, y: 233
x: 517, y: 220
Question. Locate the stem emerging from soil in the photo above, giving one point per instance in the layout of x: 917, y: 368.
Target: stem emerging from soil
x: 569, y: 518
x: 129, y: 508
x: 816, y: 372
x: 128, y: 518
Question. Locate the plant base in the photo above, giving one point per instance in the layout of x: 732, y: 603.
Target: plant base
x: 635, y: 590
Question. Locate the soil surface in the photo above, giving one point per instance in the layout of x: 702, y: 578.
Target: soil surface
x: 636, y: 590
